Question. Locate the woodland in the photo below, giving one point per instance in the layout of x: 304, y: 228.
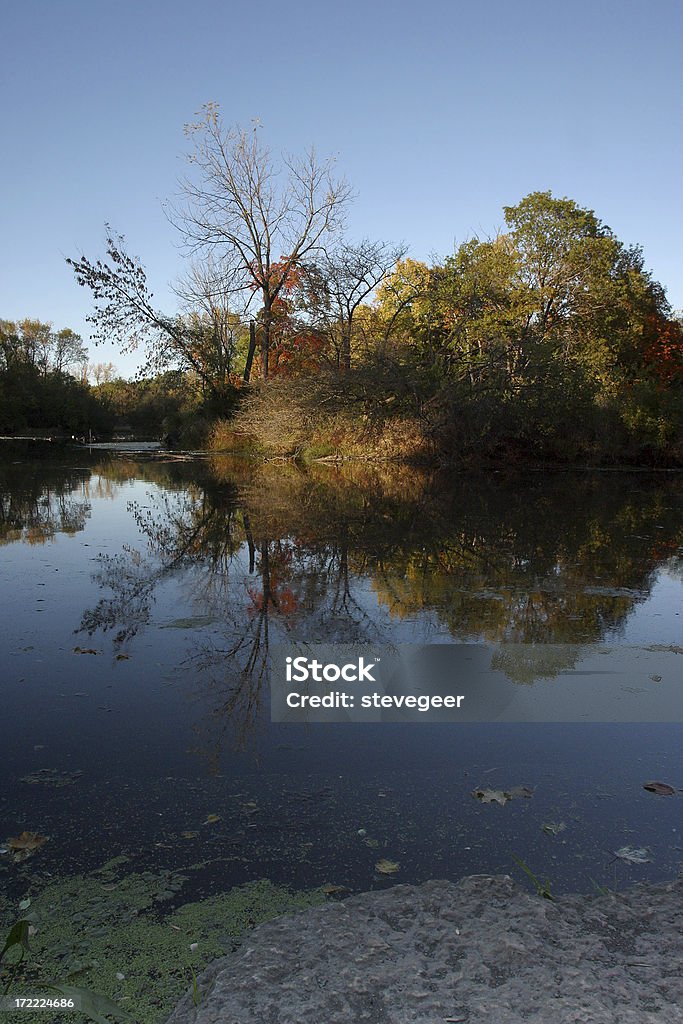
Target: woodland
x: 548, y: 340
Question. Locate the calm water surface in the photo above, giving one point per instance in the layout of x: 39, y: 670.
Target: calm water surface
x: 139, y: 598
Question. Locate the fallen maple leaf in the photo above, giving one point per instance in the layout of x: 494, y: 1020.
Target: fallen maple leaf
x: 553, y: 828
x: 331, y: 890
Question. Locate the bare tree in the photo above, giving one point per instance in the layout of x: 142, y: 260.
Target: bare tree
x: 340, y: 282
x: 206, y: 294
x: 260, y: 217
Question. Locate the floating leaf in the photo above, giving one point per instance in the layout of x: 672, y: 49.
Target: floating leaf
x: 189, y: 835
x: 387, y: 867
x: 123, y: 657
x: 660, y: 788
x: 25, y: 845
x: 85, y: 650
x: 553, y: 828
x: 332, y: 890
x: 491, y: 796
x: 211, y: 819
x: 633, y: 854
x: 501, y: 796
x: 525, y: 792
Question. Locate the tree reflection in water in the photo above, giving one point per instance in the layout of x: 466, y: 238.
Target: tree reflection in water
x: 38, y: 501
x: 381, y: 553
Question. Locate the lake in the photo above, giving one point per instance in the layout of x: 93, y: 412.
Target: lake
x: 141, y: 594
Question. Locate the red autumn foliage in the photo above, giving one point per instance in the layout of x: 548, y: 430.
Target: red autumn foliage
x: 664, y: 351
x: 276, y: 593
x: 293, y: 350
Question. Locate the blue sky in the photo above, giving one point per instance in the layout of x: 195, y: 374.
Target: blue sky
x: 439, y: 114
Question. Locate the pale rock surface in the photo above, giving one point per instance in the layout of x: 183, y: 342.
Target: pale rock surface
x: 482, y: 951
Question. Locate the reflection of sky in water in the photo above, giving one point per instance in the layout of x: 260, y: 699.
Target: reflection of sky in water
x: 147, y: 732
x: 659, y: 620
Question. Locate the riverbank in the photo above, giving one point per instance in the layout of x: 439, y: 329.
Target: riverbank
x: 348, y: 419
x: 482, y: 951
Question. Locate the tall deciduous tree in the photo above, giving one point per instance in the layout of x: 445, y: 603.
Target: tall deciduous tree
x: 342, y: 280
x: 582, y: 284
x: 256, y: 216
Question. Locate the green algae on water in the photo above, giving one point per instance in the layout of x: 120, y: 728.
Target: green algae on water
x: 111, y: 932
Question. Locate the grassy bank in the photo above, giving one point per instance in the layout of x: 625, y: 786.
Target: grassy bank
x: 360, y: 417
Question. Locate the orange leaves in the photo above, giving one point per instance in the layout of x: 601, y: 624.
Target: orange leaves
x: 274, y: 593
x: 287, y: 602
x: 286, y: 277
x: 664, y: 354
x: 282, y: 600
x: 299, y: 353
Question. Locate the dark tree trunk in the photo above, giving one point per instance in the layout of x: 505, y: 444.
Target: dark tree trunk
x: 250, y: 353
x: 346, y: 352
x: 265, y: 340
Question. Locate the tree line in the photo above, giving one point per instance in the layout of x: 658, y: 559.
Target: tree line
x: 37, y: 385
x: 549, y: 338
x: 48, y: 384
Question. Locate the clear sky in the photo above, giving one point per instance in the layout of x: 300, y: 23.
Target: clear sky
x: 439, y: 113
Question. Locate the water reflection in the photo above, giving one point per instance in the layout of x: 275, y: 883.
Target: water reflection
x: 41, y: 497
x: 382, y: 554
x: 37, y: 502
x: 560, y: 560
x: 205, y: 564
